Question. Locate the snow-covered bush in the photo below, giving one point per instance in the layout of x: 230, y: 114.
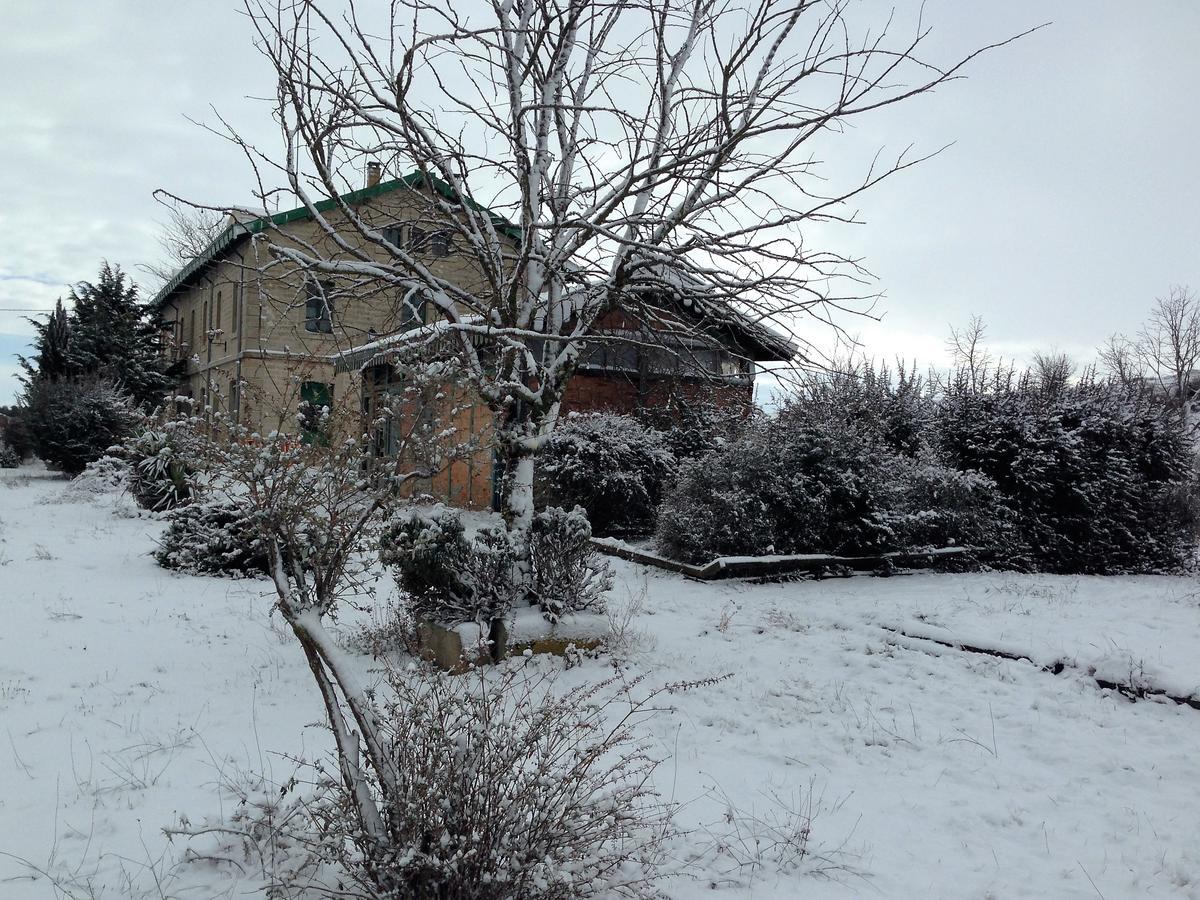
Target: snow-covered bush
x: 895, y: 408
x: 8, y: 457
x: 161, y: 473
x: 14, y: 432
x: 448, y: 576
x: 213, y: 537
x: 500, y: 788
x: 73, y: 422
x: 568, y: 574
x: 933, y: 505
x: 612, y: 465
x: 103, y: 476
x: 696, y: 426
x: 1097, y: 475
x: 791, y: 484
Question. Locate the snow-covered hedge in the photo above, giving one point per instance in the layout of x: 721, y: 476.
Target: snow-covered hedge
x: 1085, y: 478
x: 8, y: 457
x: 1099, y: 477
x: 213, y: 537
x: 612, y: 465
x: 789, y: 485
x: 72, y: 422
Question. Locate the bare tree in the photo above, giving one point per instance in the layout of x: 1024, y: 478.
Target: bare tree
x: 971, y: 360
x: 1052, y: 370
x: 1168, y: 345
x: 183, y: 236
x: 655, y: 160
x: 1120, y: 359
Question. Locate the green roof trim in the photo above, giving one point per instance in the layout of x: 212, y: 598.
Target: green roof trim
x: 238, y: 230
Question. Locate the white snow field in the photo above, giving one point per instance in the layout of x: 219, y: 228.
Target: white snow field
x: 131, y: 697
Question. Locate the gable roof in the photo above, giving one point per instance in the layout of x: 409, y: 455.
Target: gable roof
x: 237, y: 230
x: 758, y: 342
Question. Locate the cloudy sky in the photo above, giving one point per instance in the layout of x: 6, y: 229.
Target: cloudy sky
x: 1067, y: 201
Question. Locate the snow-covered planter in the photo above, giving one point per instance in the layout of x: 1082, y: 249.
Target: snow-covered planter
x: 613, y: 466
x: 461, y: 588
x: 214, y: 537
x: 528, y: 632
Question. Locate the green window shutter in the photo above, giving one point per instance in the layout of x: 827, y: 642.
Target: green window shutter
x: 314, y: 396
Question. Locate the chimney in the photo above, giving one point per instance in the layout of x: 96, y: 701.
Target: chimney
x: 374, y: 170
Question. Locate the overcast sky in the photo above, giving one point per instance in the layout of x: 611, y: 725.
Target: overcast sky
x: 1067, y: 202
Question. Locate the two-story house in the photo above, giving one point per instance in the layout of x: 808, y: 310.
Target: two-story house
x: 259, y: 332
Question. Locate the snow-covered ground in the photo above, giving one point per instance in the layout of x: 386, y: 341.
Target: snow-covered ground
x: 129, y: 696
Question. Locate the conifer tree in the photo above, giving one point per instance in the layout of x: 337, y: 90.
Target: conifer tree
x: 108, y: 334
x: 52, y: 346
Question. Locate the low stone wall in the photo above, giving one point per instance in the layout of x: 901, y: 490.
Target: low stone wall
x: 768, y: 566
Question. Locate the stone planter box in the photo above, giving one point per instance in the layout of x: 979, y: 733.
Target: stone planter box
x: 458, y: 647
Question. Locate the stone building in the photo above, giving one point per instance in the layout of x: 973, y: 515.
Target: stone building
x: 260, y: 334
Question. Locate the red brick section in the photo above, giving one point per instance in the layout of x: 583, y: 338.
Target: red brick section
x: 622, y: 393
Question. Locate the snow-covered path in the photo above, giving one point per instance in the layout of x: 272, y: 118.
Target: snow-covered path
x: 127, y: 694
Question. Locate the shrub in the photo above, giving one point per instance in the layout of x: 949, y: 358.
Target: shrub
x: 789, y: 485
x: 73, y: 422
x: 449, y: 577
x: 213, y: 537
x: 1098, y: 475
x: 568, y: 574
x: 14, y: 432
x: 161, y: 476
x: 8, y: 457
x: 611, y: 465
x: 693, y: 427
x: 501, y: 789
x: 106, y: 475
x: 937, y: 506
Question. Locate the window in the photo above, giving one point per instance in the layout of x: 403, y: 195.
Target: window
x: 412, y: 311
x: 192, y: 331
x: 234, y: 400
x: 217, y: 315
x: 417, y: 239
x: 237, y: 309
x: 440, y: 244
x: 315, y: 397
x: 318, y: 307
x: 420, y: 240
x: 206, y: 322
x: 394, y: 235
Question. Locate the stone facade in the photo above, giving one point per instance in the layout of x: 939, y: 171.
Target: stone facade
x: 260, y: 334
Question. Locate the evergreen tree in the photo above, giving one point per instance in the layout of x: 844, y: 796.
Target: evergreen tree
x: 108, y: 334
x: 52, y: 348
x: 112, y: 336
